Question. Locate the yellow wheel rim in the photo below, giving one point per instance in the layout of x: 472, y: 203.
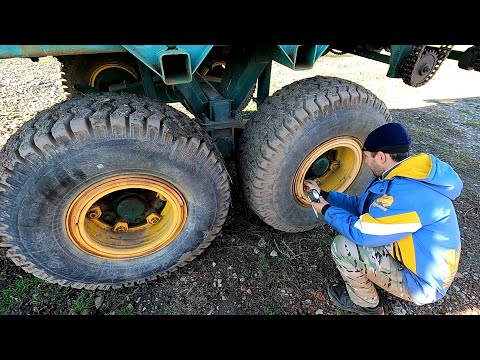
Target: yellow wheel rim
x: 205, y: 71
x: 345, y: 158
x: 104, y: 67
x: 106, y: 239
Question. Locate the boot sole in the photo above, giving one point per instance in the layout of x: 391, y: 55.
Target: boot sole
x: 349, y: 309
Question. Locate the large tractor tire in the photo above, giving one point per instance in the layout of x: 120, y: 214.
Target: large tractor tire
x: 110, y: 190
x: 99, y: 71
x: 313, y: 128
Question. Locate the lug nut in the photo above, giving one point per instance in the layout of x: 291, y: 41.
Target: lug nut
x: 120, y: 226
x: 334, y: 165
x: 94, y: 212
x: 154, y: 218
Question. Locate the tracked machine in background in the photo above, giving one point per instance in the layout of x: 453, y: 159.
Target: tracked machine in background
x: 114, y: 187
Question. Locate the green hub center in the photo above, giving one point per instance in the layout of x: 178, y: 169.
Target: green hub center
x: 111, y: 76
x: 131, y: 208
x: 319, y: 166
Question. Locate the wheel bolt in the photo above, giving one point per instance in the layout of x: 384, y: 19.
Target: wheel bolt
x: 153, y: 219
x: 94, y: 212
x: 334, y: 165
x: 120, y: 226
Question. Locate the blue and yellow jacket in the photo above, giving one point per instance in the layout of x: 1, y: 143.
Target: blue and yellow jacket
x: 410, y: 211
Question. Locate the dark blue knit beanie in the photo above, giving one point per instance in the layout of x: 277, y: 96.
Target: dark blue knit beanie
x: 390, y: 138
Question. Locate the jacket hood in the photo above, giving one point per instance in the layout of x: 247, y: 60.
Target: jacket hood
x: 430, y: 171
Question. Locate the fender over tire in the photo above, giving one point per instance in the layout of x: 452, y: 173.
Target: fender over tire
x: 73, y: 149
x: 294, y: 127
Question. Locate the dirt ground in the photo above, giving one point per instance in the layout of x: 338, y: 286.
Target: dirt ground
x: 252, y: 269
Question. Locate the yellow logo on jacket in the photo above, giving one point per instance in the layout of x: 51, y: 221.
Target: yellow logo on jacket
x: 383, y: 202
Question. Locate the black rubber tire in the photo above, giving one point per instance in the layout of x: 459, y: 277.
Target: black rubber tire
x: 83, y: 66
x: 247, y: 99
x: 287, y: 127
x: 56, y: 155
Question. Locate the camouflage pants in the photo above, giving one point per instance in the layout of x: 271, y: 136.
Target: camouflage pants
x: 361, y: 267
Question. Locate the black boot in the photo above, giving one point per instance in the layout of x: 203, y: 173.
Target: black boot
x: 339, y: 295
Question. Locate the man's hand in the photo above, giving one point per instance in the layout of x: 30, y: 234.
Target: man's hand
x: 310, y: 184
x: 319, y: 205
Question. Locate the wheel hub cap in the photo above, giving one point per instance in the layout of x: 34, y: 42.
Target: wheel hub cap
x: 334, y: 165
x: 126, y: 217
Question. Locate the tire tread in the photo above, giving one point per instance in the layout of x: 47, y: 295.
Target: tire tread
x: 105, y: 116
x: 266, y: 137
